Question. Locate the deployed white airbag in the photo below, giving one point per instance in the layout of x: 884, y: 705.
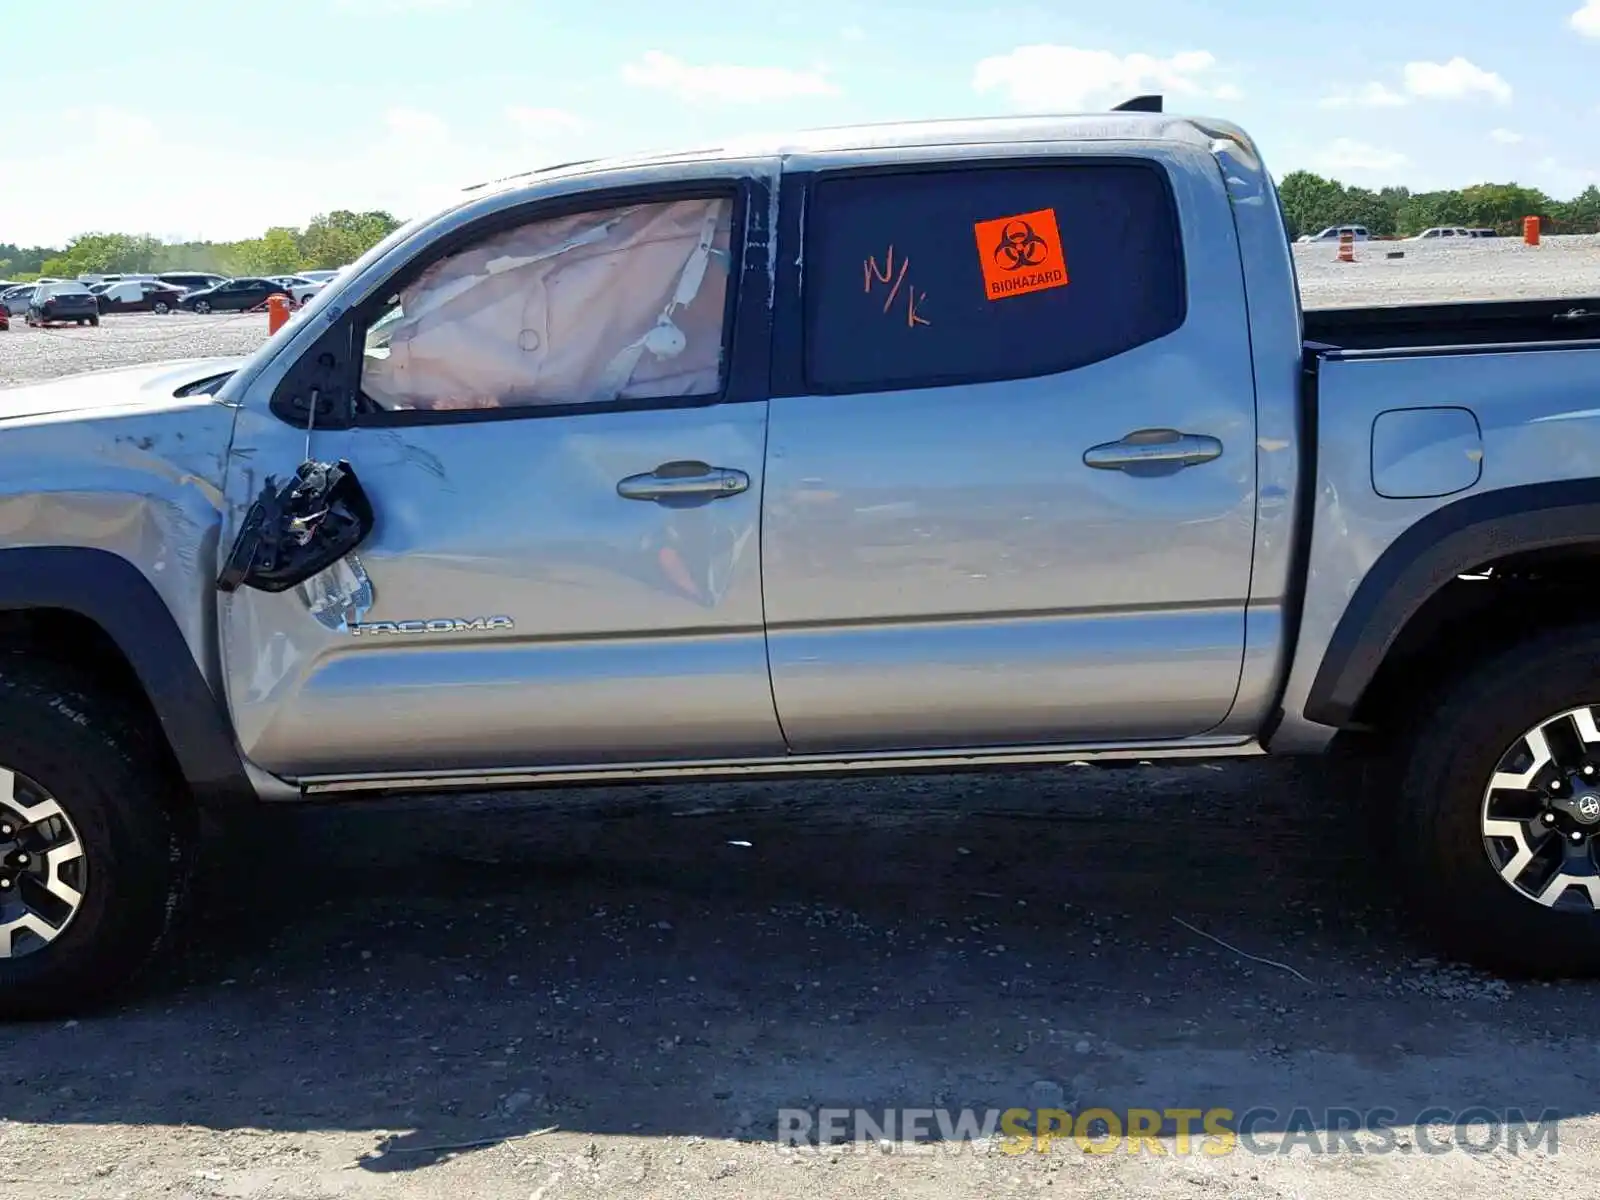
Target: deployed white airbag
x: 626, y: 303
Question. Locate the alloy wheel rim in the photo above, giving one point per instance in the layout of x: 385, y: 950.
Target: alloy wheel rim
x: 1541, y: 813
x: 43, y: 868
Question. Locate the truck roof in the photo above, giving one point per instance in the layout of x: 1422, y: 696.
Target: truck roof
x: 891, y: 136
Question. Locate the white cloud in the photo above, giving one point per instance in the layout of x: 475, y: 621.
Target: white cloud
x: 407, y: 160
x: 854, y: 33
x: 1346, y: 154
x: 725, y: 82
x: 1049, y: 77
x: 542, y: 122
x: 1368, y: 95
x: 1587, y: 19
x: 1454, y: 80
x: 415, y: 123
x: 1506, y: 137
x: 111, y: 126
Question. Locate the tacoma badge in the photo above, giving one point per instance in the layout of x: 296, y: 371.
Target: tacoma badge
x: 434, y: 625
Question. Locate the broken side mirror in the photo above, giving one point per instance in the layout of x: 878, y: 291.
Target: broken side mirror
x: 297, y: 530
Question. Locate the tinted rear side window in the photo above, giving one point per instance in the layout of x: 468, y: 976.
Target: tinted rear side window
x: 938, y: 277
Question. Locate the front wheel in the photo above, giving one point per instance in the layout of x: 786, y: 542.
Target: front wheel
x: 202, y: 306
x: 160, y: 307
x: 95, y: 321
x: 93, y: 852
x: 1499, y: 830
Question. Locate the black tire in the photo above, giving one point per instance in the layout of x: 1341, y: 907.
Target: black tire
x: 1469, y: 911
x: 161, y: 307
x: 79, y: 322
x: 116, y: 789
x: 95, y: 321
x: 202, y: 306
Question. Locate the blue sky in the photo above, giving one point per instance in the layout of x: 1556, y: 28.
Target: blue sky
x: 204, y: 118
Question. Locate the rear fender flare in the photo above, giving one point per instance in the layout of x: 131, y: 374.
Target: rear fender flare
x: 1450, y: 541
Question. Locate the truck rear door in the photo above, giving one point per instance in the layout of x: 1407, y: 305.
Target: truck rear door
x: 1010, y: 476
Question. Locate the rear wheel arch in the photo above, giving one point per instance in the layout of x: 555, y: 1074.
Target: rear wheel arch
x: 1412, y: 605
x: 93, y: 608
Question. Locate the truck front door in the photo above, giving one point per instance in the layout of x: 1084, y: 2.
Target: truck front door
x: 1011, y: 463
x: 562, y: 447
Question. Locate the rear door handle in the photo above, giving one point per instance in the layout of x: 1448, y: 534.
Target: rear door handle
x: 683, y: 479
x: 1153, y: 452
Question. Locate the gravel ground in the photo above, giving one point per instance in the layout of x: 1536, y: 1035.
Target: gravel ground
x: 613, y: 993
x: 1435, y: 272
x: 123, y: 340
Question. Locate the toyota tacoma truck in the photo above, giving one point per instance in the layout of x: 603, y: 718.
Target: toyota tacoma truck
x: 970, y: 444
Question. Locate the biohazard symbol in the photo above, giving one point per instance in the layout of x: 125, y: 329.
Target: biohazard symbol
x: 1021, y: 254
x: 1020, y: 247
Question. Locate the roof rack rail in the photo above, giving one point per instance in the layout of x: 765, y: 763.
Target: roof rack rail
x: 1140, y: 104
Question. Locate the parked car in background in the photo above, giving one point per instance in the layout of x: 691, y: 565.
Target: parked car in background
x: 191, y: 281
x: 53, y: 303
x: 300, y: 288
x: 1483, y: 232
x: 235, y: 295
x: 1443, y: 231
x: 1334, y: 232
x: 319, y: 276
x: 138, y: 295
x: 14, y: 299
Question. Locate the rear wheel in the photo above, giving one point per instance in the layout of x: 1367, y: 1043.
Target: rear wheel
x: 161, y: 306
x: 95, y: 321
x: 202, y: 306
x: 93, y: 849
x: 1500, y: 817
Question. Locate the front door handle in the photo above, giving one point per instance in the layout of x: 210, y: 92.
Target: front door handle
x: 1153, y: 452
x: 687, y: 479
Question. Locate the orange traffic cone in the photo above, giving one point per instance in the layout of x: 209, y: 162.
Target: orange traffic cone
x: 1347, y: 247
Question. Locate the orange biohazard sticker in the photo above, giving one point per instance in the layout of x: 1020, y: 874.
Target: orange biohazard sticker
x: 1021, y: 254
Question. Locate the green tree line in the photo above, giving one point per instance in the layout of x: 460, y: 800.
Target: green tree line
x: 1312, y: 203
x: 329, y: 241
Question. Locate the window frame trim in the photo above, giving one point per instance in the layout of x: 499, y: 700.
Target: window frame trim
x: 791, y: 334
x: 746, y: 316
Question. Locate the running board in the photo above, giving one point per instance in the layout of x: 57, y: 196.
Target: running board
x: 787, y: 766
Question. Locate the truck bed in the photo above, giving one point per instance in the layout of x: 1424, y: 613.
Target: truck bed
x: 1474, y: 323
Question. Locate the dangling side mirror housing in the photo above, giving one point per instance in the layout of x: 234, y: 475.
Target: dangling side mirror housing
x: 299, y: 529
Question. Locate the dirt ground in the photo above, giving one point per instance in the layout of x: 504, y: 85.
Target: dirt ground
x: 613, y: 993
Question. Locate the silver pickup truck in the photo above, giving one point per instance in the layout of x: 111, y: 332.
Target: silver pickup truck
x: 972, y: 444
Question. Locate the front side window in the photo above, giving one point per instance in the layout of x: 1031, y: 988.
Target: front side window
x: 627, y: 303
x: 988, y: 273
